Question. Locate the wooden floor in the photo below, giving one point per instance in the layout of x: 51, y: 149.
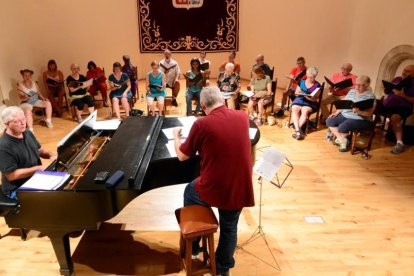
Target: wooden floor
x: 366, y: 206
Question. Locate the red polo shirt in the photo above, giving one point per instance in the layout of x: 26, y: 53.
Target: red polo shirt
x: 296, y: 71
x: 223, y: 143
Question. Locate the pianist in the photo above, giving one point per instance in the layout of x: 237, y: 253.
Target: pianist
x: 222, y: 141
x: 20, y: 152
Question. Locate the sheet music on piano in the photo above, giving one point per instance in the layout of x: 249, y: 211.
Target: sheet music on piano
x: 44, y: 180
x: 187, y: 123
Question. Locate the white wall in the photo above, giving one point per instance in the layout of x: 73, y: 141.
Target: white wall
x: 327, y: 33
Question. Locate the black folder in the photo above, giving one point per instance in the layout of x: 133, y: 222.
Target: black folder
x: 197, y: 78
x: 347, y: 104
x: 155, y: 86
x: 53, y: 82
x: 205, y: 66
x: 340, y: 85
x: 389, y: 86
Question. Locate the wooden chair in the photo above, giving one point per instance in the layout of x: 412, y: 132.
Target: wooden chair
x: 361, y: 139
x: 312, y: 123
x: 272, y: 72
x: 165, y: 105
x: 73, y: 108
x: 97, y: 92
x: 196, y: 222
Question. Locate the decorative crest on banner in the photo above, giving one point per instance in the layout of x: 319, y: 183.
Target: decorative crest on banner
x: 162, y: 25
x: 187, y: 4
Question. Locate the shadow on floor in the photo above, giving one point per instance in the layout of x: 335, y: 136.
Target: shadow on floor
x: 112, y: 250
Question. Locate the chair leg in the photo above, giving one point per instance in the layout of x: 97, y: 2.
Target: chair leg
x: 23, y: 234
x: 188, y: 253
x: 212, y: 254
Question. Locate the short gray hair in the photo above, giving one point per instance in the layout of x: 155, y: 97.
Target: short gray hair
x: 229, y: 65
x: 8, y: 113
x: 312, y: 71
x: 211, y: 96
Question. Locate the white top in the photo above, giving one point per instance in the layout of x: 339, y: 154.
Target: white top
x: 173, y: 69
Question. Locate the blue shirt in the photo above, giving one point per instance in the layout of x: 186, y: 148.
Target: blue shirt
x: 351, y: 96
x: 157, y: 80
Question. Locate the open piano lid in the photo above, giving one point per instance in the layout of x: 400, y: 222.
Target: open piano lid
x: 75, y: 141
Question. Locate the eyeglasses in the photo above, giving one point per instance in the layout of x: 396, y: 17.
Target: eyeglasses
x: 15, y: 122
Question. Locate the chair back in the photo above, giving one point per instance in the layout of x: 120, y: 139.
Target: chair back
x: 272, y: 72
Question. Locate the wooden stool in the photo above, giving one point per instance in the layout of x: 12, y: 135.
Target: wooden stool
x: 197, y: 222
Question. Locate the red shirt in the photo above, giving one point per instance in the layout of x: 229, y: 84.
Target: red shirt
x: 338, y: 77
x: 296, y: 71
x: 222, y: 140
x: 95, y: 74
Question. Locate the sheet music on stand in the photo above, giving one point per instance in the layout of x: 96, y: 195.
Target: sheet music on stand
x: 269, y: 165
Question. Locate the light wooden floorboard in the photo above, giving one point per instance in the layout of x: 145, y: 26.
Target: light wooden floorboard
x: 367, y: 207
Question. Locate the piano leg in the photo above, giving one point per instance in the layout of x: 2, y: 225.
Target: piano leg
x: 60, y: 242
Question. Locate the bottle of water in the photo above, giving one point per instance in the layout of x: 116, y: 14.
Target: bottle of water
x: 328, y: 136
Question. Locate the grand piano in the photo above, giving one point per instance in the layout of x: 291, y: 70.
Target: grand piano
x: 137, y: 148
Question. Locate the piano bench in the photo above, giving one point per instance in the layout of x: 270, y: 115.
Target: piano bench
x: 7, y: 205
x: 196, y: 222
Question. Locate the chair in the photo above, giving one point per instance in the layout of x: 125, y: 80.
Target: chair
x: 196, y: 222
x: 359, y: 144
x: 385, y: 117
x: 94, y: 99
x: 165, y: 104
x: 312, y: 123
x: 9, y: 205
x: 272, y: 72
x: 271, y: 104
x: 73, y: 108
x: 130, y: 102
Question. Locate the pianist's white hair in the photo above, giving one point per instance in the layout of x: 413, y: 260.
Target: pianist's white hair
x: 8, y: 113
x: 210, y: 96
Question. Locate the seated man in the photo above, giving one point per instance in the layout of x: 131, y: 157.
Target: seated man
x: 399, y: 105
x: 261, y: 63
x: 343, y: 121
x: 203, y: 60
x: 20, y: 152
x: 228, y: 83
x: 231, y: 59
x: 172, y: 71
x: 132, y: 72
x: 292, y: 84
x: 337, y: 93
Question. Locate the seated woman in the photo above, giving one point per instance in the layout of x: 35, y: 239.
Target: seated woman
x: 78, y: 93
x: 261, y: 85
x: 156, y: 82
x: 120, y: 87
x: 303, y: 105
x: 99, y: 84
x: 29, y: 94
x: 194, y: 86
x: 343, y: 121
x: 228, y: 82
x: 53, y: 81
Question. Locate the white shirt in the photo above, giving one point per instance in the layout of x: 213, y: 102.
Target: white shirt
x: 171, y: 70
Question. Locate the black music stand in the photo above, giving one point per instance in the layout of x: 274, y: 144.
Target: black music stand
x: 267, y: 167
